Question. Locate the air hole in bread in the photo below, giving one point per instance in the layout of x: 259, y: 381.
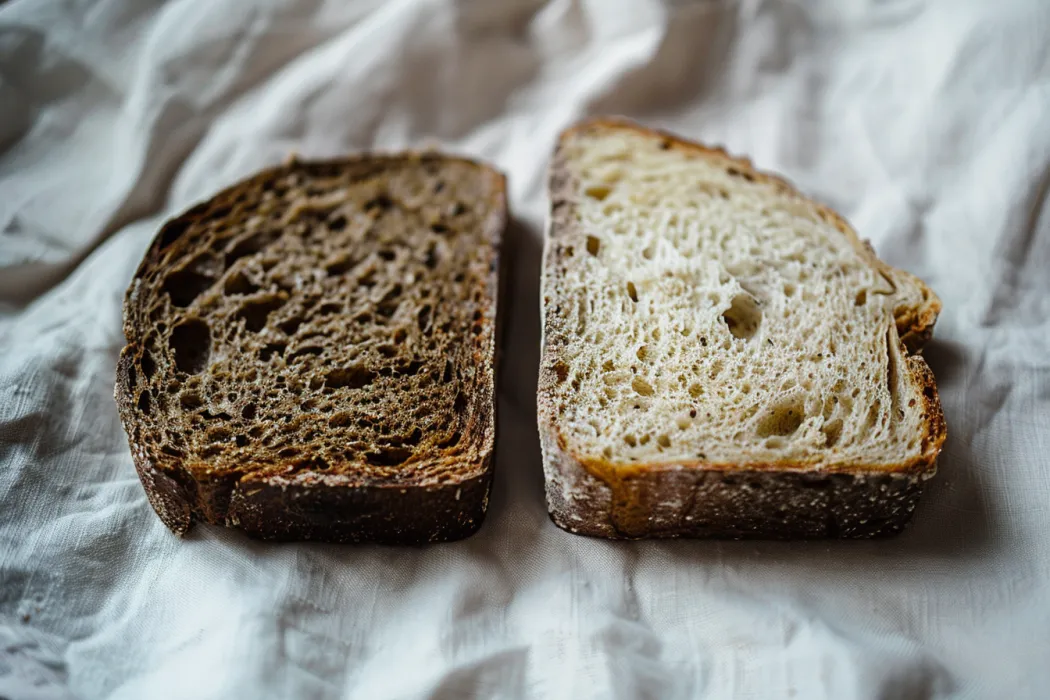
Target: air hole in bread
x: 389, y: 457
x: 270, y: 350
x: 172, y: 451
x: 255, y: 313
x: 781, y: 419
x: 892, y: 373
x: 353, y: 377
x: 379, y: 203
x: 290, y: 326
x: 238, y: 283
x: 423, y: 319
x: 593, y: 245
x: 219, y: 433
x: 148, y: 366
x: 832, y: 432
x: 413, y: 438
x: 249, y: 245
x: 368, y: 279
x: 632, y: 292
x: 431, y: 259
x: 190, y: 400
x: 642, y: 387
x: 452, y: 440
x: 190, y: 343
x: 598, y: 192
x: 173, y: 231
x: 340, y: 266
x: 743, y: 316
x: 390, y: 302
x: 184, y: 286
x: 561, y: 371
x: 132, y: 380
x: 144, y: 403
x: 871, y: 419
x: 411, y: 369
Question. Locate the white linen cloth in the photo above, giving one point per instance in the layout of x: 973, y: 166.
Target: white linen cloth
x: 927, y: 124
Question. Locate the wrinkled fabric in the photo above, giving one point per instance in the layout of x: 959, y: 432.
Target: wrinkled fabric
x: 926, y: 124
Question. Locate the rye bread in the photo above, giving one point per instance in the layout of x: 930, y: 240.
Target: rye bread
x: 311, y: 353
x: 744, y: 449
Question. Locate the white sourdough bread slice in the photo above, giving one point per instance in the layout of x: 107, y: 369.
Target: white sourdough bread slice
x: 721, y: 355
x: 311, y: 353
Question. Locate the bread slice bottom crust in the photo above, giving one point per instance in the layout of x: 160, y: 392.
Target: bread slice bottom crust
x: 768, y: 501
x: 275, y: 509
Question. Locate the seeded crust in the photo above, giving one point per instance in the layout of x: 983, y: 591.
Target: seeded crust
x: 594, y: 496
x: 311, y: 353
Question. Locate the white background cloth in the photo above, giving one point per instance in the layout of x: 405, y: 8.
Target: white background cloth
x: 927, y: 124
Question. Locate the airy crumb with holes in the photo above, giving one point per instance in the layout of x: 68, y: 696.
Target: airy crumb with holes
x: 310, y: 353
x: 730, y: 359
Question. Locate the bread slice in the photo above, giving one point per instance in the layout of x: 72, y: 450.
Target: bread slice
x: 722, y: 356
x: 310, y: 354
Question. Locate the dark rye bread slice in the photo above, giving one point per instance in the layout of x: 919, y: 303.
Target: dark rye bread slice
x: 310, y: 354
x: 722, y: 357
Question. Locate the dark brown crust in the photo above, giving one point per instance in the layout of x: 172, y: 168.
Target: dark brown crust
x: 697, y: 499
x: 329, y: 510
x: 272, y: 510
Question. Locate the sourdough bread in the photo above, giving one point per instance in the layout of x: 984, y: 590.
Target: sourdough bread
x: 721, y: 355
x: 310, y: 354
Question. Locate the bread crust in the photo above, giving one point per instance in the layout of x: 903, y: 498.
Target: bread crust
x: 307, y: 506
x: 782, y: 500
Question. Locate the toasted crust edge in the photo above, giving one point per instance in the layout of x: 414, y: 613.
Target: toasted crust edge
x: 772, y: 501
x: 272, y: 508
